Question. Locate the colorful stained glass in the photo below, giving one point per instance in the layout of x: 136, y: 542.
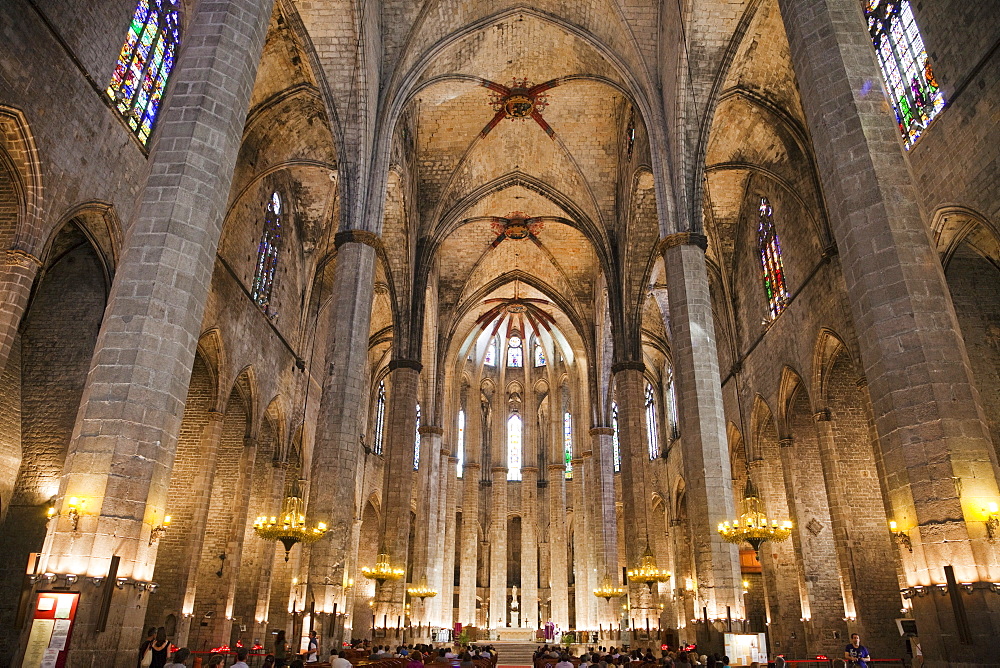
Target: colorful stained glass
x: 515, y: 352
x: 652, y: 434
x: 770, y: 260
x: 539, y: 356
x: 616, y: 450
x: 916, y: 97
x: 416, y: 443
x: 267, y: 255
x: 491, y: 354
x: 379, y: 419
x: 460, y: 447
x: 568, y: 444
x: 514, y: 447
x: 144, y: 64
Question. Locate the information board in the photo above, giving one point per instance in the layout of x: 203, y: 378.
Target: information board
x: 51, y: 627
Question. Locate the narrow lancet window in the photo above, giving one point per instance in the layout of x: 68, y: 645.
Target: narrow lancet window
x: 491, y: 354
x: 539, y: 355
x: 460, y: 447
x: 379, y: 419
x: 568, y: 444
x: 770, y: 260
x: 416, y: 443
x: 652, y: 434
x: 515, y: 352
x: 616, y: 452
x: 514, y: 447
x: 267, y: 256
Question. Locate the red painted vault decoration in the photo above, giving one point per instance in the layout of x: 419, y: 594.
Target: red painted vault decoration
x: 522, y: 100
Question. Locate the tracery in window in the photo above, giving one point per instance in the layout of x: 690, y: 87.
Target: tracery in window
x: 652, y: 434
x: 514, y: 447
x: 568, y: 444
x: 491, y: 354
x: 906, y: 69
x: 539, y: 355
x: 770, y: 260
x: 267, y: 255
x: 144, y: 64
x: 416, y: 443
x: 379, y: 419
x: 515, y: 352
x: 460, y: 447
x: 616, y: 453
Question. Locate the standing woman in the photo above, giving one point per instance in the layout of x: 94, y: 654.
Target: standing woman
x: 280, y: 650
x: 160, y: 647
x: 150, y: 637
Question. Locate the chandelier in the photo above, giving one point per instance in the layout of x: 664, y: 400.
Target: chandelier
x: 291, y: 527
x: 752, y: 526
x: 647, y: 570
x: 608, y: 590
x: 422, y: 591
x: 383, y: 570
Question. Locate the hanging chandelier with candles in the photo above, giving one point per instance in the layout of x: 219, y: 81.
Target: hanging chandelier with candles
x: 422, y: 591
x: 647, y: 571
x: 290, y: 528
x: 608, y: 590
x: 383, y: 569
x: 752, y: 526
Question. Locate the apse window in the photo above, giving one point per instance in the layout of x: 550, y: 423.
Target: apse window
x: 909, y: 79
x: 491, y: 354
x: 652, y: 435
x: 515, y: 353
x: 770, y: 259
x: 267, y: 256
x: 568, y: 444
x: 144, y: 65
x: 379, y: 418
x: 539, y: 356
x: 460, y: 447
x: 616, y: 451
x: 514, y: 427
x: 416, y: 442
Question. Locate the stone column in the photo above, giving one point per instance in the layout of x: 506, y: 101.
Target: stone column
x: 428, y: 532
x: 336, y: 458
x: 446, y: 575
x: 401, y: 430
x: 704, y: 444
x: 121, y: 453
x: 558, y: 571
x: 498, y: 547
x: 602, y: 487
x: 18, y: 276
x: 529, y: 547
x: 581, y: 541
x: 940, y: 470
x: 469, y: 537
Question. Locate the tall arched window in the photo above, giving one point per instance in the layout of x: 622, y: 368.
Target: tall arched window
x: 379, y: 418
x: 460, y: 447
x: 652, y: 434
x: 491, y: 354
x: 909, y: 79
x: 675, y: 430
x: 770, y: 260
x: 514, y: 447
x: 144, y: 64
x: 267, y: 254
x: 416, y: 443
x: 568, y: 444
x: 616, y: 452
x: 539, y: 355
x: 515, y: 352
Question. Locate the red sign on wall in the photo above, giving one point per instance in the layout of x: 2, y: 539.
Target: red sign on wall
x: 51, y: 627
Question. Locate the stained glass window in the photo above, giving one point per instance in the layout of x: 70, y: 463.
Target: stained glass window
x: 675, y: 430
x: 770, y: 260
x: 144, y: 64
x: 916, y: 97
x: 267, y: 255
x: 652, y: 435
x: 460, y: 447
x: 416, y: 443
x: 491, y: 354
x: 379, y: 419
x: 514, y: 447
x: 568, y: 444
x: 539, y: 355
x: 515, y: 353
x: 616, y: 452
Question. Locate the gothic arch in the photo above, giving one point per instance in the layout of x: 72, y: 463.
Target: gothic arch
x: 19, y: 155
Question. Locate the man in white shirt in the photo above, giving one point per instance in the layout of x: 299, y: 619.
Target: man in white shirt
x: 241, y: 658
x: 339, y: 660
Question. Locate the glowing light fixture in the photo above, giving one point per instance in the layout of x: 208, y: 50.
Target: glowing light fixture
x: 383, y: 569
x: 291, y: 527
x: 647, y: 570
x: 752, y: 525
x: 608, y: 590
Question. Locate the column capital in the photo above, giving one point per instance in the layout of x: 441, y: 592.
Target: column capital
x: 453, y: 460
x: 602, y: 431
x: 471, y: 465
x: 683, y: 239
x: 216, y: 416
x: 406, y: 364
x: 499, y: 469
x: 634, y: 365
x: 556, y: 467
x: 357, y: 237
x: 786, y: 442
x: 431, y: 430
x: 18, y: 257
x: 822, y: 415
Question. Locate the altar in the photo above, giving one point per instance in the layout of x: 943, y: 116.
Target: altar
x: 515, y: 634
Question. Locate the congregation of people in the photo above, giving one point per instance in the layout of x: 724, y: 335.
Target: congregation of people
x: 602, y: 657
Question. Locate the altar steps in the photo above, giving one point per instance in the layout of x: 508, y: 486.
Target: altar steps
x: 514, y: 653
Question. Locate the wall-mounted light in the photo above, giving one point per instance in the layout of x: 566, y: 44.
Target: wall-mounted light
x: 900, y: 537
x: 121, y: 582
x: 993, y: 523
x: 159, y: 530
x: 76, y: 505
x: 71, y: 578
x: 49, y: 514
